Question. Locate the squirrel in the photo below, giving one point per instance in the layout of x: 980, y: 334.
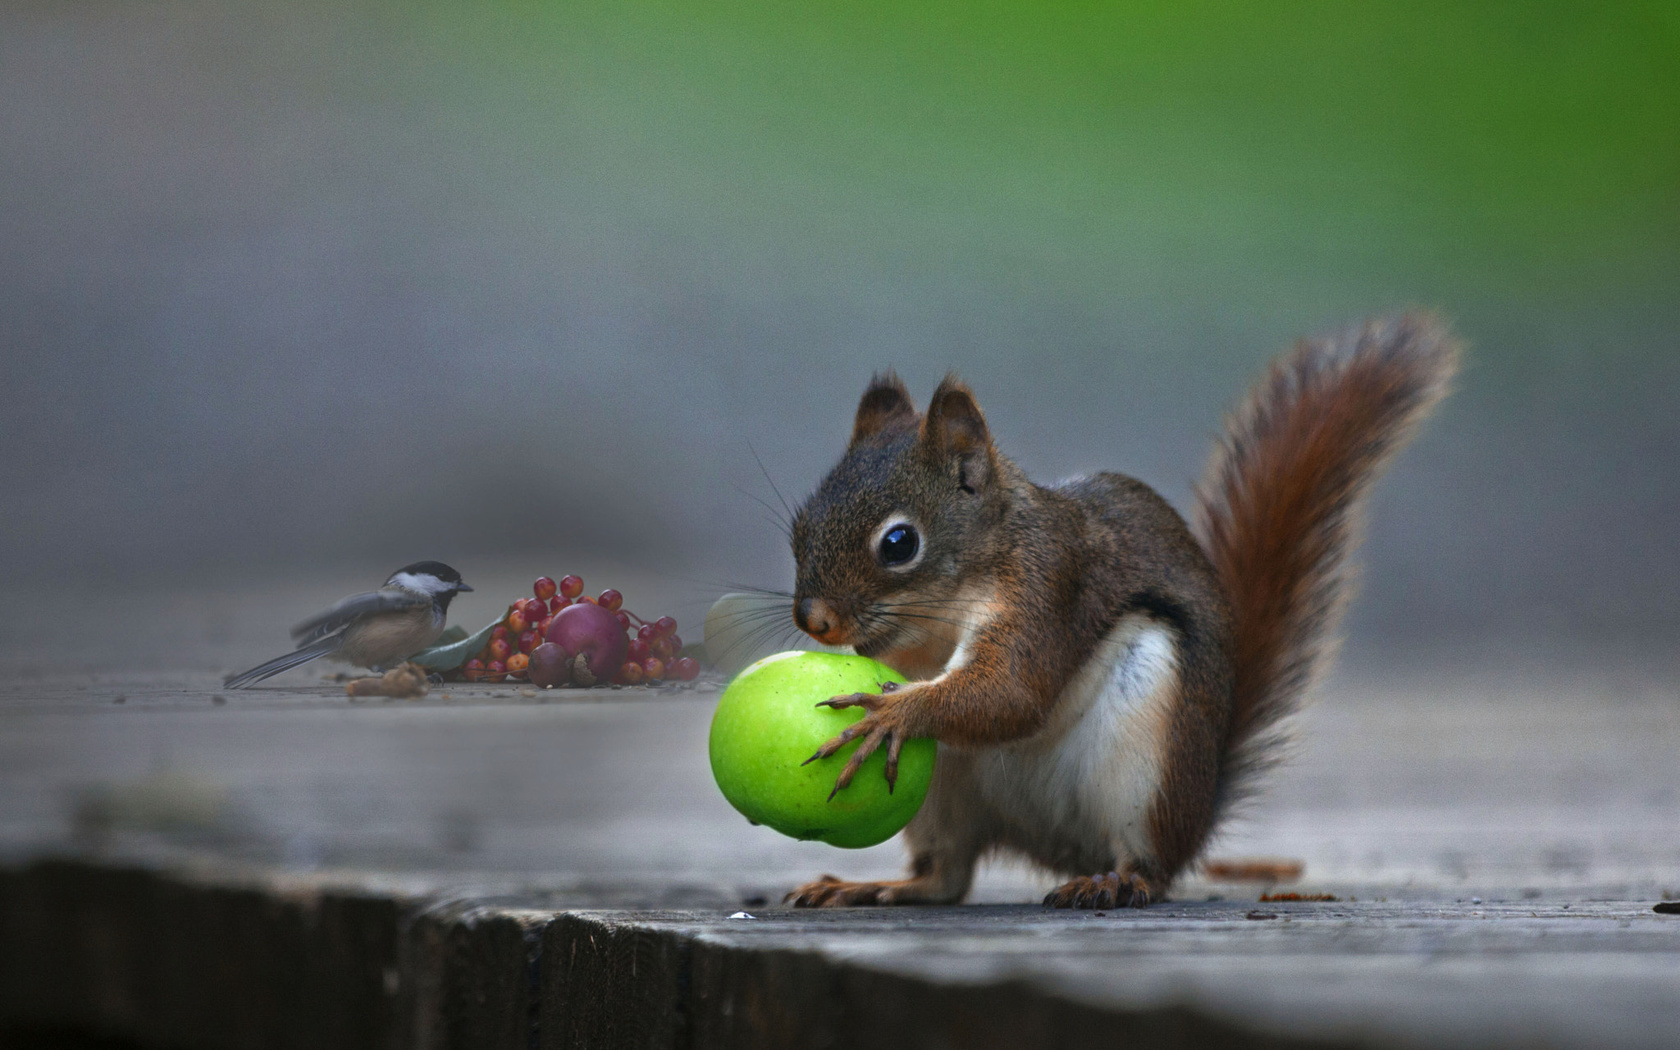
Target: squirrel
x: 1103, y: 680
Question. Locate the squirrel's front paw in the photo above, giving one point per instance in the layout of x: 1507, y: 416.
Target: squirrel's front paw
x: 1112, y: 890
x: 883, y: 724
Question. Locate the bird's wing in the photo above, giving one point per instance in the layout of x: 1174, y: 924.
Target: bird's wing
x: 386, y: 599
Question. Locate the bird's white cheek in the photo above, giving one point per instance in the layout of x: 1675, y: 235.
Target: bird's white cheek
x: 419, y: 584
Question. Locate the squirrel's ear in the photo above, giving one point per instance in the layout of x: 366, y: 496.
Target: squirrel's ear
x: 885, y: 402
x: 954, y: 431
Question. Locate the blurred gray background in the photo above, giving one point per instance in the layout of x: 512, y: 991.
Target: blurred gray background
x: 308, y: 291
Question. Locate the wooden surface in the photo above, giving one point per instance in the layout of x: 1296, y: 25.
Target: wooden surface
x: 1505, y: 837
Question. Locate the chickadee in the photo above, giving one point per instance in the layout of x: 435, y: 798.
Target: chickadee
x: 377, y: 629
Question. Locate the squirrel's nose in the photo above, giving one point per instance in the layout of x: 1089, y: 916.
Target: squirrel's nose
x: 816, y: 618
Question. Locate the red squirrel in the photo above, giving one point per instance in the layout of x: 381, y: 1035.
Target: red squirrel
x: 1103, y: 679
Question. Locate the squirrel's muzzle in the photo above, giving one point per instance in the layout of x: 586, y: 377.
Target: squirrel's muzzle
x: 819, y: 619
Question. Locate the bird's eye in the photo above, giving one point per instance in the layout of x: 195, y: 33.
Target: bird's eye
x: 899, y: 545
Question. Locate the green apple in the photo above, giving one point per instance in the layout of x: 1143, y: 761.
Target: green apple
x: 767, y: 723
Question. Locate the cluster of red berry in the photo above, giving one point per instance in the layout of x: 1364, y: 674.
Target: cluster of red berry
x: 651, y: 649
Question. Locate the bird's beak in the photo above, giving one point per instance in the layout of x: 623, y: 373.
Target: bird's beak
x: 459, y: 587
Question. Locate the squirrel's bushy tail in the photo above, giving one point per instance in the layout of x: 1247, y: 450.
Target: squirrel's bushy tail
x: 1278, y: 511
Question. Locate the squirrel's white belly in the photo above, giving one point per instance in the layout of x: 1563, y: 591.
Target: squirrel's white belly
x: 1082, y: 787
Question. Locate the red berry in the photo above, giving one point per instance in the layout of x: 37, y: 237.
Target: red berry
x: 686, y: 668
x: 495, y: 671
x: 516, y: 622
x: 571, y: 586
x: 676, y: 644
x: 557, y: 603
x: 665, y: 625
x: 529, y: 640
x: 517, y: 663
x: 638, y: 651
x: 500, y: 649
x: 630, y: 673
x: 584, y: 599
x: 473, y: 670
x: 542, y: 626
x: 647, y: 632
x: 624, y: 620
x: 501, y: 631
x: 610, y: 600
x: 661, y: 648
x: 544, y: 588
x: 654, y: 668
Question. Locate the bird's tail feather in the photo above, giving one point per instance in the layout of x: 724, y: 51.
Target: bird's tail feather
x: 312, y: 651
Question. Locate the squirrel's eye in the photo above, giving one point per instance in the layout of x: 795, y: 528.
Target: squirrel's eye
x: 899, y: 545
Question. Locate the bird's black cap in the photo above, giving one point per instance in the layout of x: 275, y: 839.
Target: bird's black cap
x: 434, y: 568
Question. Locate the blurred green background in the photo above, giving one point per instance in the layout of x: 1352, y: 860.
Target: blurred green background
x: 304, y: 285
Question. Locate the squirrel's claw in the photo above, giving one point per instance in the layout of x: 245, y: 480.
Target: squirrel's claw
x: 846, y: 736
x: 871, y: 743
x: 892, y: 761
x: 867, y: 701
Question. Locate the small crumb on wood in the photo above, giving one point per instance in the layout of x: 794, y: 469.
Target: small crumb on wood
x: 401, y: 683
x: 1262, y: 915
x: 1667, y: 908
x: 1257, y: 869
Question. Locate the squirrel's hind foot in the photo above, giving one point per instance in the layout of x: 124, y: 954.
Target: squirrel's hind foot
x: 830, y: 892
x: 1112, y: 890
